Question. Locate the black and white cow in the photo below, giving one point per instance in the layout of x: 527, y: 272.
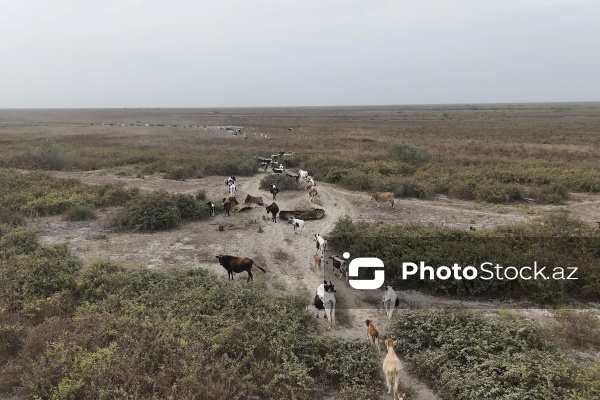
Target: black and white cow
x: 274, y: 191
x: 339, y: 264
x: 230, y: 181
x: 211, y: 208
x: 298, y: 224
x: 232, y: 189
x: 325, y: 300
x: 321, y: 243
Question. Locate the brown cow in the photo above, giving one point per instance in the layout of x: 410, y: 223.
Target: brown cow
x: 237, y: 264
x: 229, y: 203
x: 383, y: 197
x: 373, y: 334
x: 317, y: 259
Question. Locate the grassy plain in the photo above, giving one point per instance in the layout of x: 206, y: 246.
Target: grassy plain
x: 74, y: 329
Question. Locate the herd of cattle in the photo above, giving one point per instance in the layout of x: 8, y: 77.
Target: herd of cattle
x: 325, y: 295
x: 324, y: 298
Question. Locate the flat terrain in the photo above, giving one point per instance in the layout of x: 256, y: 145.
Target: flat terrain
x: 549, y: 131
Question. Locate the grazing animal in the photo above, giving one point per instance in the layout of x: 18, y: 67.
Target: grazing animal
x: 236, y: 265
x: 274, y: 191
x: 303, y: 174
x: 232, y: 189
x: 273, y: 209
x: 317, y: 259
x: 339, y: 264
x: 390, y: 301
x: 311, y: 181
x: 373, y: 334
x: 229, y: 203
x: 312, y: 193
x: 383, y: 197
x: 230, y: 181
x: 298, y: 224
x: 392, y: 367
x: 325, y: 300
x: 472, y: 228
x: 321, y: 243
x: 211, y: 208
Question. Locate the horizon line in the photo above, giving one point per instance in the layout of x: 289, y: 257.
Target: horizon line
x: 306, y: 106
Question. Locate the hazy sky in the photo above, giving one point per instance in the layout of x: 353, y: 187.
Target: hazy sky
x: 229, y: 53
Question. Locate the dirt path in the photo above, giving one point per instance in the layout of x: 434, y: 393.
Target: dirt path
x: 286, y: 256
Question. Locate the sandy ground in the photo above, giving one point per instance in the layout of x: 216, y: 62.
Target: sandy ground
x: 286, y: 256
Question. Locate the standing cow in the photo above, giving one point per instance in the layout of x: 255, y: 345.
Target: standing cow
x: 390, y: 301
x: 236, y: 265
x: 211, y: 208
x: 325, y: 300
x: 229, y: 203
x: 321, y: 243
x: 273, y: 209
x: 274, y: 191
x: 383, y: 197
x: 298, y: 224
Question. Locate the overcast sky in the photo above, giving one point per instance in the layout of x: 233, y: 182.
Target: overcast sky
x: 229, y: 53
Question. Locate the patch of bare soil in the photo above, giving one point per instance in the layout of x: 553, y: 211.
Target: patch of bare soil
x: 286, y: 256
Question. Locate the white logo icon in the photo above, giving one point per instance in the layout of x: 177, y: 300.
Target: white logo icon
x: 365, y: 262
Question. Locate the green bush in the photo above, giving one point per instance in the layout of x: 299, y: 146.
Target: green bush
x: 465, y: 355
x: 580, y: 328
x: 42, y: 193
x: 462, y: 191
x: 15, y: 242
x: 113, y: 195
x: 190, y: 208
x: 80, y: 213
x: 159, y: 210
x: 149, y: 212
x: 177, y: 174
x: 552, y: 242
x: 408, y: 153
x: 11, y: 218
x: 30, y: 272
x: 188, y: 334
x: 107, y: 331
x: 410, y: 187
x: 47, y: 155
x: 282, y: 181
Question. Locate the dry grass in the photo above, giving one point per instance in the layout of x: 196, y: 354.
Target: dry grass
x: 549, y: 132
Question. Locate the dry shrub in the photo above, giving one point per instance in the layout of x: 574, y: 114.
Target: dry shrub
x: 461, y: 191
x: 80, y: 212
x: 200, y: 195
x: 282, y: 255
x: 580, y: 328
x: 47, y: 155
x: 282, y: 181
x: 11, y: 218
